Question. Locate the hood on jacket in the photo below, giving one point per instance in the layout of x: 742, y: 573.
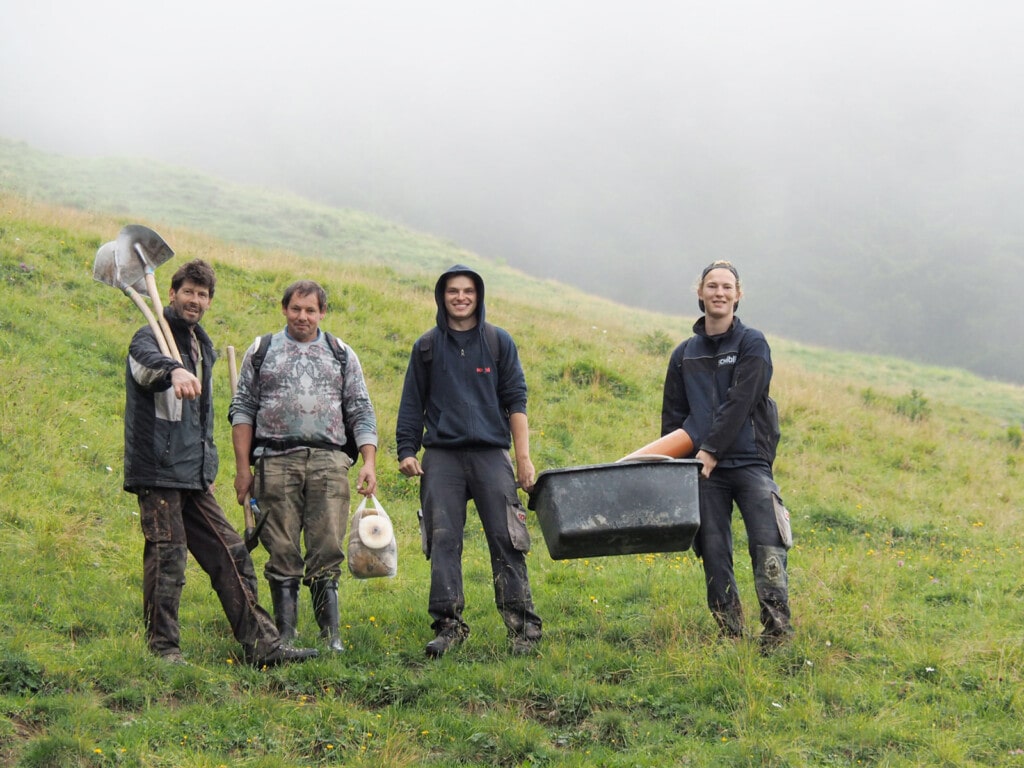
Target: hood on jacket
x: 458, y: 269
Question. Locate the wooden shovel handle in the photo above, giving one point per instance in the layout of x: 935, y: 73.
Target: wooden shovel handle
x: 150, y: 318
x: 154, y: 296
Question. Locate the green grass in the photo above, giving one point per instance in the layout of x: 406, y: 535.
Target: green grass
x: 903, y: 482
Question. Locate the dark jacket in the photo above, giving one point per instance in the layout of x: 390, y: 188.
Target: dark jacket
x: 463, y: 396
x: 168, y: 443
x: 716, y: 388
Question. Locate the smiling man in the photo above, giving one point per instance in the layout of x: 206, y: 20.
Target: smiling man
x: 170, y: 463
x: 301, y: 401
x: 464, y: 402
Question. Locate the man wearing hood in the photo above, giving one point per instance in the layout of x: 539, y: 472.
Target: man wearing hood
x: 464, y: 398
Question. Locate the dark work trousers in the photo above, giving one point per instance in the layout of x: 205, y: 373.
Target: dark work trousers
x: 175, y: 522
x: 450, y: 479
x: 754, y: 492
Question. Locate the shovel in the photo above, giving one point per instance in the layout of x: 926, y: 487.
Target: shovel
x: 105, y: 270
x: 139, y: 251
x: 252, y: 530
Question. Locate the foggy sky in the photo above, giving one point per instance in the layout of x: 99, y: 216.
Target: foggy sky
x: 618, y: 146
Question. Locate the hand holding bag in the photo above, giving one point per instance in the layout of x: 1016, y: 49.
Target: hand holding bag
x: 372, y: 548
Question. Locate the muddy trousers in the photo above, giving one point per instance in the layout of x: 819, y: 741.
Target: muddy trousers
x: 451, y: 478
x: 753, y: 490
x: 176, y: 522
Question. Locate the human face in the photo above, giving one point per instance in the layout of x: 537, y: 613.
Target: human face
x: 190, y: 301
x: 303, y: 315
x: 460, y: 301
x: 719, y: 291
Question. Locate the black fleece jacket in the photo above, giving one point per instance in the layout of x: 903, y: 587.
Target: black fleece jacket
x: 717, y: 389
x: 463, y: 397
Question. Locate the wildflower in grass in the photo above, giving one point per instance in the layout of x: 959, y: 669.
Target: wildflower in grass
x: 98, y: 751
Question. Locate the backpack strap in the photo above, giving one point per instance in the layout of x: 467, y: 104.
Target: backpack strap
x: 262, y: 345
x: 340, y: 351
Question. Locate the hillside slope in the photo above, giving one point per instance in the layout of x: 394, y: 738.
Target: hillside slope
x: 906, y: 583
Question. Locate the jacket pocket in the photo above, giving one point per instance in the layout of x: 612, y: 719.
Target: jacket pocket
x: 782, y: 521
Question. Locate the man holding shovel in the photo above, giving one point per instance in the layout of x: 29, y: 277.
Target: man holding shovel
x: 716, y: 389
x: 170, y: 463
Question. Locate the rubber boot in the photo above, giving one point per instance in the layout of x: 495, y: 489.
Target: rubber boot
x: 772, y: 585
x: 285, y: 595
x: 325, y: 607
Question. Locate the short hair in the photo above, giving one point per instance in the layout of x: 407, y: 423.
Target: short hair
x: 196, y: 271
x: 305, y: 288
x: 720, y: 264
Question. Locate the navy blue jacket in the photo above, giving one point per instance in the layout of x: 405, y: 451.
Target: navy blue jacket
x: 716, y: 388
x: 464, y: 396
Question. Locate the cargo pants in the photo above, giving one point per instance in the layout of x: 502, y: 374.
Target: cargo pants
x: 176, y: 522
x: 450, y: 479
x: 755, y: 493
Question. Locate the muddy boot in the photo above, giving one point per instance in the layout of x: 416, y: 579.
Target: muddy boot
x: 285, y: 596
x: 325, y: 606
x: 282, y: 654
x: 524, y: 629
x: 448, y: 636
x: 772, y: 585
x: 729, y: 619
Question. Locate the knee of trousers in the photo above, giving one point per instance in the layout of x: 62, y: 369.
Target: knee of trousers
x: 770, y: 568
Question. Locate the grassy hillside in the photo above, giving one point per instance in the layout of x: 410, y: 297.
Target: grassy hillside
x: 906, y: 575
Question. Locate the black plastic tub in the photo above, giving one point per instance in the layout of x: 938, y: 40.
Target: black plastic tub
x: 618, y: 509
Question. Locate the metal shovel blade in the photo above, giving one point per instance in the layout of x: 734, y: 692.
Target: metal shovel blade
x: 105, y: 269
x: 154, y: 252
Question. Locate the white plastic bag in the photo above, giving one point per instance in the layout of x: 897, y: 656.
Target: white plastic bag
x: 372, y: 548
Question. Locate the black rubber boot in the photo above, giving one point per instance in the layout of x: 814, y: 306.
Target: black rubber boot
x: 283, y: 654
x: 325, y: 607
x: 285, y: 595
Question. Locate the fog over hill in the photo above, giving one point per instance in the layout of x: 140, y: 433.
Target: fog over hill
x: 860, y: 162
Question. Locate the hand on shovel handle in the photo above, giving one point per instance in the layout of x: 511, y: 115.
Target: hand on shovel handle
x: 250, y: 537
